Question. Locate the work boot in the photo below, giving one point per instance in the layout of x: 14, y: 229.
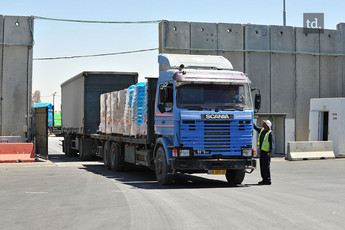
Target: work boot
x: 265, y: 182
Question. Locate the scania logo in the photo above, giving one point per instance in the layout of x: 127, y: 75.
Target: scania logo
x: 217, y: 116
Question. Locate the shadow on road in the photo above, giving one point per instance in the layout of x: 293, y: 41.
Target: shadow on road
x: 146, y: 179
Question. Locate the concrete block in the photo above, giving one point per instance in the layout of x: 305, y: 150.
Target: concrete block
x: 204, y: 36
x: 18, y: 30
x: 174, y: 35
x: 330, y: 66
x: 230, y: 37
x: 307, y: 79
x: 257, y: 64
x: 310, y: 150
x: 283, y: 67
x: 17, y: 152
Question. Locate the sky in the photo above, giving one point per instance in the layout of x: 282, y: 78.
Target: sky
x: 55, y: 39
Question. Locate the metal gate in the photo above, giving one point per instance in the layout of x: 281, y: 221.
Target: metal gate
x: 41, y: 132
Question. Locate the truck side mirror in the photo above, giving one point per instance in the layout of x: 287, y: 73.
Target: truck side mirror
x: 257, y: 102
x: 161, y: 108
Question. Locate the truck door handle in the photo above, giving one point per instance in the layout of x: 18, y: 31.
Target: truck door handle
x: 163, y: 122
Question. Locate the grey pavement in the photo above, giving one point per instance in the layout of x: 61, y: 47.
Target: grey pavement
x: 64, y: 193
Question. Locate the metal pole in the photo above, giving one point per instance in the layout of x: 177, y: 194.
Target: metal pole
x: 284, y: 14
x: 54, y: 99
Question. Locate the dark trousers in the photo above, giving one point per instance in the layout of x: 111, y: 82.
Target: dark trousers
x: 265, y: 162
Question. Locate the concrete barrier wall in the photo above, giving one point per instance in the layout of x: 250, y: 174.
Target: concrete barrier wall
x: 310, y: 150
x: 283, y: 75
x: 230, y: 37
x: 307, y: 79
x: 330, y: 66
x: 15, y: 74
x: 257, y: 64
x: 289, y: 66
x: 341, y: 28
x: 204, y: 38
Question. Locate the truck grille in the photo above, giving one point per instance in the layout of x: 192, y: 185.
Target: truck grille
x: 218, y: 136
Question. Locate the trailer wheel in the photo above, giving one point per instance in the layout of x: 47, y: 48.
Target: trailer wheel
x: 163, y: 174
x: 106, y: 154
x: 116, y: 163
x: 235, y: 176
x: 85, y: 146
x: 67, y: 146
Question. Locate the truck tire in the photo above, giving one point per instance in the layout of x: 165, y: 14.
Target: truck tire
x: 235, y: 176
x: 116, y: 162
x: 67, y: 146
x: 84, y: 149
x: 163, y: 174
x: 106, y: 155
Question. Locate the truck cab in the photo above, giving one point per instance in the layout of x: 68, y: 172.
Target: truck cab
x: 203, y: 118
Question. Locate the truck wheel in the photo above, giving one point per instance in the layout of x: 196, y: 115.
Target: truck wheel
x: 116, y: 163
x: 235, y: 176
x: 85, y: 149
x: 67, y: 146
x: 162, y: 169
x: 106, y: 154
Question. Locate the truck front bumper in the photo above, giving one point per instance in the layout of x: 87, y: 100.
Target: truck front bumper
x: 191, y: 164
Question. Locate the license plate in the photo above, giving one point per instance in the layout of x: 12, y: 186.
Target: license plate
x: 216, y: 171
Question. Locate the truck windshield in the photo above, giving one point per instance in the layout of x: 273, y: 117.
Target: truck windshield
x: 214, y: 96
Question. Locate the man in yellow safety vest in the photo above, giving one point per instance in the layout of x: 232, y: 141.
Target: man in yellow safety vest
x: 265, y: 143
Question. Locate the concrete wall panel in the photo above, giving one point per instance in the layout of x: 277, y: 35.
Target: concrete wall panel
x: 307, y: 79
x: 1, y: 48
x: 341, y: 28
x: 230, y: 37
x: 257, y: 64
x: 283, y: 68
x: 18, y: 30
x: 204, y: 36
x: 331, y: 78
x: 174, y: 35
x: 16, y: 75
x: 15, y: 95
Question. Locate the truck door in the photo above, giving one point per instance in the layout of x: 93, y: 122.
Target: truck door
x: 164, y: 121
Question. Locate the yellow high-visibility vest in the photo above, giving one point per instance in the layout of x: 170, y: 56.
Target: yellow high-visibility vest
x: 265, y: 143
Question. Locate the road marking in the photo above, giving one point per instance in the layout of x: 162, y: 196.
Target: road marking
x: 36, y: 192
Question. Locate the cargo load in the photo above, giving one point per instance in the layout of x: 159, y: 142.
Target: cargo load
x: 125, y: 111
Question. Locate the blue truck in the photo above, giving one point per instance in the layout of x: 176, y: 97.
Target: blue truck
x: 199, y: 120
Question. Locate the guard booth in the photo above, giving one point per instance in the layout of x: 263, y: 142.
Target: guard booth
x: 326, y: 122
x: 40, y: 132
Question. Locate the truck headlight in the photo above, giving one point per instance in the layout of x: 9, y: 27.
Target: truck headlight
x: 247, y: 152
x: 184, y: 153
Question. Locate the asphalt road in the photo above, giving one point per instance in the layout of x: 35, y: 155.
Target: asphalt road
x: 64, y: 193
